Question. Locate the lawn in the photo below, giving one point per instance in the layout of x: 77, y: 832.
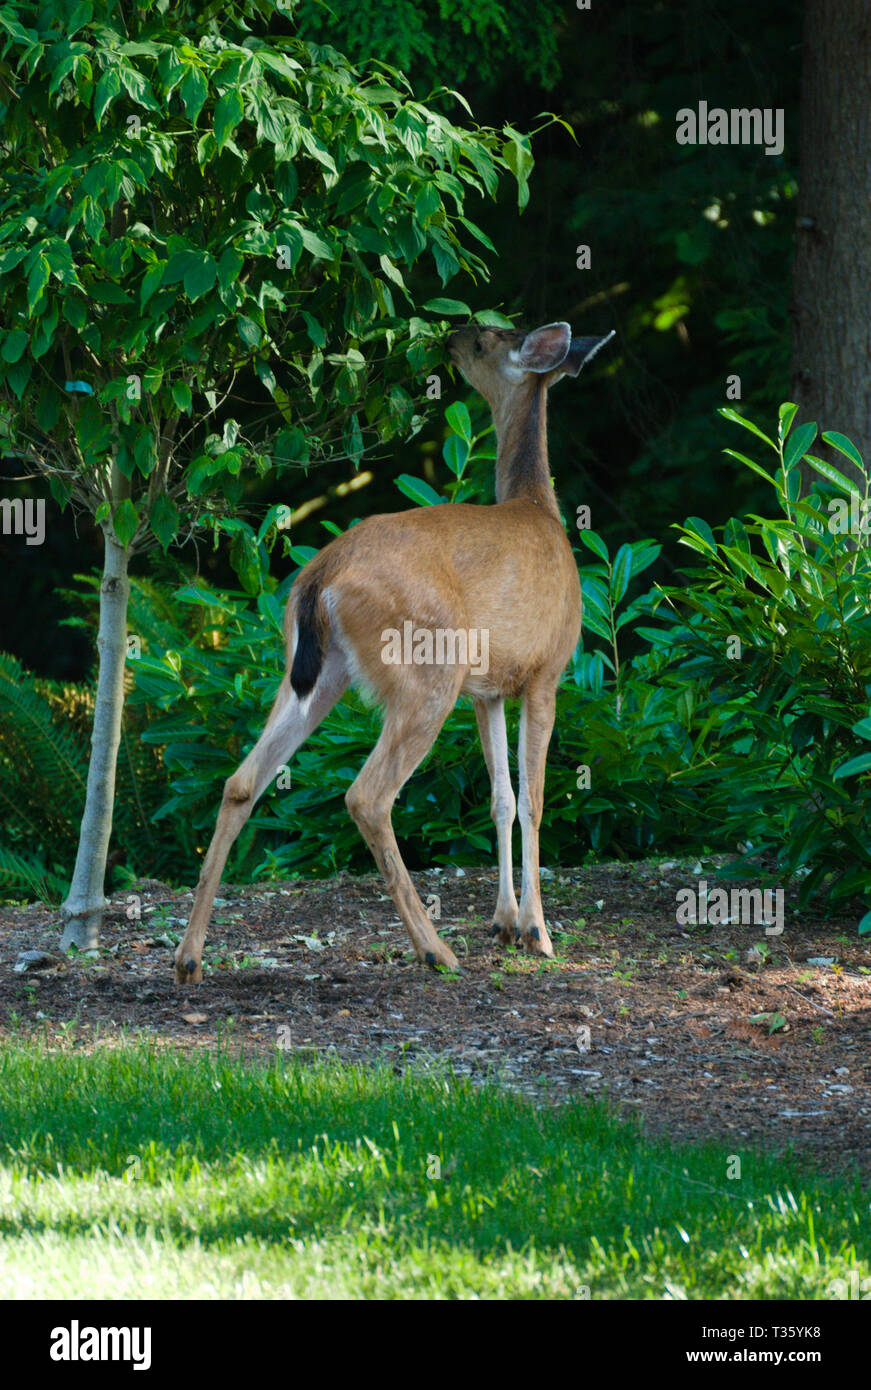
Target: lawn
x: 138, y: 1172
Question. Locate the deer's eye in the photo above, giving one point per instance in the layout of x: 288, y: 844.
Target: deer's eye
x: 479, y: 347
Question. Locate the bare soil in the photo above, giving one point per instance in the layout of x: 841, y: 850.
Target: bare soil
x: 705, y: 1031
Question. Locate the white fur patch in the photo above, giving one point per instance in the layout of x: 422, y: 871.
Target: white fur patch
x: 343, y: 642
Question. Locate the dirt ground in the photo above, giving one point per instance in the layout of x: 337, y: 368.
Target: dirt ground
x: 706, y: 1031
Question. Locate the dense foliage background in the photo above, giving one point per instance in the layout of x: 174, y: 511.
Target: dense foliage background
x: 664, y: 740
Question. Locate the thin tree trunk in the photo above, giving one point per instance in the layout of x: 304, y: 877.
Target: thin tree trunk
x: 832, y: 268
x: 82, y: 912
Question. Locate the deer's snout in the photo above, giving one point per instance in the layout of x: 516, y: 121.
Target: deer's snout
x: 457, y: 340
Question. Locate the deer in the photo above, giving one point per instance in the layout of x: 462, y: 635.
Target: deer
x: 506, y: 570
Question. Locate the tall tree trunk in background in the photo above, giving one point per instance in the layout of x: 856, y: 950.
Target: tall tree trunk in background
x: 82, y: 912
x: 831, y: 377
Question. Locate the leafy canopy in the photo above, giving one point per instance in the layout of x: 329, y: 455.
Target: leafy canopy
x: 188, y: 200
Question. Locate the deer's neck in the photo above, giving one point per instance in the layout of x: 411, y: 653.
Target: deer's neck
x: 522, y: 468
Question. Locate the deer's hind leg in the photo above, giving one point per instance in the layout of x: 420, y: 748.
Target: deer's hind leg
x: 411, y: 723
x: 290, y: 722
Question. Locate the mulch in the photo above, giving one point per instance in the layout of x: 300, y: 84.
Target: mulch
x: 704, y: 1031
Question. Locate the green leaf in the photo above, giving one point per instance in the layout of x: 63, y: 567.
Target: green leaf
x: 833, y: 475
x: 279, y: 514
x: 643, y: 556
x: 444, y: 256
x: 75, y: 312
x: 200, y: 278
x: 418, y: 490
x: 729, y: 414
x: 229, y: 267
x: 353, y: 441
x: 798, y: 444
x: 194, y: 90
x: 314, y: 329
x: 180, y: 262
x: 491, y: 318
x: 145, y: 453
x: 151, y: 281
x: 248, y: 331
x: 108, y: 88
x: 844, y: 446
x: 17, y: 377
x: 125, y: 522
x: 455, y: 454
x: 37, y: 281
x: 301, y: 554
x: 10, y: 259
x: 518, y: 157
x: 478, y: 234
x: 865, y: 924
x: 138, y: 88
x: 447, y: 307
x: 109, y: 293
x: 228, y: 113
x: 595, y: 543
x: 266, y: 375
x: 14, y: 344
x: 750, y: 463
x: 595, y: 593
x: 786, y: 415
x: 621, y: 573
x: 316, y: 244
x: 426, y: 203
x: 592, y: 622
x: 860, y: 764
x: 392, y: 272
x: 698, y: 527
x: 459, y: 420
x: 181, y: 394
x: 163, y: 519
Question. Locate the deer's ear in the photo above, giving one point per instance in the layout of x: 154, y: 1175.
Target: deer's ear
x: 544, y: 349
x: 581, y: 350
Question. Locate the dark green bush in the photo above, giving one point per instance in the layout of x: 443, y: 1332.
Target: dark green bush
x: 739, y: 722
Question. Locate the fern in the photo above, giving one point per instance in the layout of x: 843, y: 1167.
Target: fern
x: 21, y: 875
x: 43, y: 763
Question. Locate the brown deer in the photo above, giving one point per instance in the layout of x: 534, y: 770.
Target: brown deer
x: 504, y: 572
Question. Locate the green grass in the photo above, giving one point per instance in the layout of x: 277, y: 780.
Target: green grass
x: 134, y: 1173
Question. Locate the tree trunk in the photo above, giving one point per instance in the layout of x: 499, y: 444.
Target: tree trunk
x: 82, y: 912
x: 832, y: 268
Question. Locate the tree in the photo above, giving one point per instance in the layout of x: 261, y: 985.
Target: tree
x: 188, y: 201
x: 832, y: 267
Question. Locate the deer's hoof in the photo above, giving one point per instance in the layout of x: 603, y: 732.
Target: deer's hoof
x: 188, y: 971
x: 444, y: 956
x: 504, y: 934
x: 536, y: 941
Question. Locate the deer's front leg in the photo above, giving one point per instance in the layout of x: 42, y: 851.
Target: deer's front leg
x: 494, y: 742
x: 536, y: 725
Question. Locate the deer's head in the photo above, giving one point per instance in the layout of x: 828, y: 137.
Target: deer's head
x: 498, y: 360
